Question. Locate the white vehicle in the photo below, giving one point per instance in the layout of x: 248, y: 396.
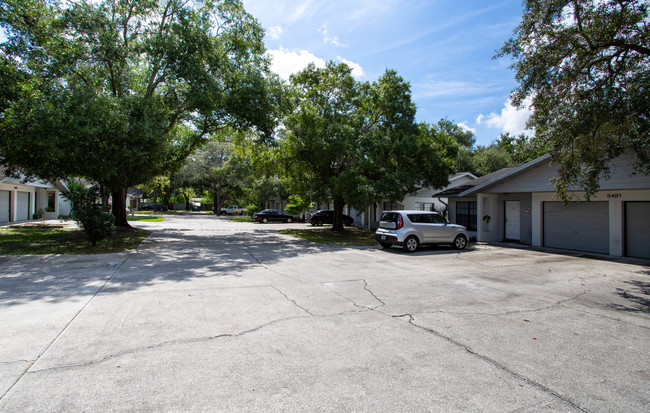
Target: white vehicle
x: 410, y: 229
x: 233, y: 210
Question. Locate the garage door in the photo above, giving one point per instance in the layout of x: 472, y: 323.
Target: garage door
x: 4, y: 207
x: 22, y: 207
x: 637, y: 229
x: 577, y: 226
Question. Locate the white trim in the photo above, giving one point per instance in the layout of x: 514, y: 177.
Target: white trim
x: 516, y: 171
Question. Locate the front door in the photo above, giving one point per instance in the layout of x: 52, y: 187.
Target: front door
x: 512, y: 220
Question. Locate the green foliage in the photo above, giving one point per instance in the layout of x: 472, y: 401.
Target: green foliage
x: 585, y: 67
x: 506, y: 152
x: 44, y: 240
x: 252, y: 209
x: 96, y: 223
x: 462, y: 136
x: 218, y: 169
x: 356, y: 142
x: 120, y: 92
x: 297, y: 206
x: 351, y: 237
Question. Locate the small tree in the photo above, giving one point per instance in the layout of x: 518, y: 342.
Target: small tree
x: 96, y: 222
x: 297, y: 205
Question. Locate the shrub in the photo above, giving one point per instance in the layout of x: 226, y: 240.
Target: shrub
x: 96, y: 223
x: 252, y: 209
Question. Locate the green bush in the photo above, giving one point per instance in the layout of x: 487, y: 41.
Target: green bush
x: 252, y: 209
x: 96, y: 223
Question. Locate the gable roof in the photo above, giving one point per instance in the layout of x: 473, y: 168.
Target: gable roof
x: 456, y: 190
x: 507, y: 173
x: 471, y: 187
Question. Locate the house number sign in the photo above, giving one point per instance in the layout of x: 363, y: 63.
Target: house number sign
x: 614, y: 196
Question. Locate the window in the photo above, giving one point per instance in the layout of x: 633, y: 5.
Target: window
x: 392, y: 206
x: 466, y: 214
x: 425, y: 206
x: 419, y: 218
x: 51, y: 199
x: 437, y: 219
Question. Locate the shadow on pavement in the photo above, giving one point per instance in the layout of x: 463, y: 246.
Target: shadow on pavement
x: 167, y: 255
x: 638, y: 298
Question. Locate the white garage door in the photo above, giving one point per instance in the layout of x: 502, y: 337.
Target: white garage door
x: 22, y: 207
x: 4, y: 206
x: 637, y: 229
x: 577, y: 226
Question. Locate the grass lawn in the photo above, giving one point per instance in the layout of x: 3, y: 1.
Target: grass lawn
x: 241, y: 219
x: 349, y: 237
x: 34, y: 240
x: 147, y: 218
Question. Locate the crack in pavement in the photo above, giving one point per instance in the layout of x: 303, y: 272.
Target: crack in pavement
x: 261, y: 264
x: 493, y: 362
x: 163, y: 344
x: 365, y: 287
x: 293, y: 301
x: 117, y: 267
x: 531, y: 310
x: 16, y: 362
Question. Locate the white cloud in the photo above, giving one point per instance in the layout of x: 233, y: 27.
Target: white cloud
x: 275, y: 32
x: 464, y: 126
x: 285, y: 62
x: 438, y: 88
x: 357, y: 70
x: 328, y: 39
x: 300, y: 11
x: 510, y: 119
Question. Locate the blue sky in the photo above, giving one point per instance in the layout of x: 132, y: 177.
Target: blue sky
x: 444, y: 48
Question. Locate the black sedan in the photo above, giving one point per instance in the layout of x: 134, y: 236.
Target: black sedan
x: 326, y: 216
x: 154, y: 207
x: 272, y: 215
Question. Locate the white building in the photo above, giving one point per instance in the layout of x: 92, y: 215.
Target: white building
x: 519, y: 204
x: 20, y: 201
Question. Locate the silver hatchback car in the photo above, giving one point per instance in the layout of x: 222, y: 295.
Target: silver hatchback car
x: 410, y: 229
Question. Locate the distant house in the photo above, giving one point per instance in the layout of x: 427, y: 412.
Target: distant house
x: 421, y: 200
x: 20, y: 199
x: 518, y: 204
x: 134, y: 198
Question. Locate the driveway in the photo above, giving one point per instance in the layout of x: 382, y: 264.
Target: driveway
x: 214, y: 315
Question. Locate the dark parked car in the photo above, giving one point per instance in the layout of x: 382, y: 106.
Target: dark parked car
x: 154, y: 207
x: 272, y: 215
x: 326, y: 216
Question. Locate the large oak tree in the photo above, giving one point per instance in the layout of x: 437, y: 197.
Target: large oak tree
x: 585, y: 65
x: 121, y: 91
x: 357, y: 142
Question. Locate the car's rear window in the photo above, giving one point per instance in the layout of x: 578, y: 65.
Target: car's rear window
x: 389, y: 217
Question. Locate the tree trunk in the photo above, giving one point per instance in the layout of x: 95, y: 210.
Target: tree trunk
x: 338, y: 214
x: 217, y: 200
x: 188, y: 203
x: 119, y: 207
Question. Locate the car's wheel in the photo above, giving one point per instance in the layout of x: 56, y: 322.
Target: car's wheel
x: 460, y: 242
x: 264, y: 220
x: 319, y: 222
x: 411, y: 244
x: 385, y: 244
x: 289, y: 220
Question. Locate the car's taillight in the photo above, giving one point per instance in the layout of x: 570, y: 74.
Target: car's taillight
x: 400, y: 223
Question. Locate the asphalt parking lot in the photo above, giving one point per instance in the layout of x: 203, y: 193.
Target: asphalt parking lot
x: 214, y: 315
